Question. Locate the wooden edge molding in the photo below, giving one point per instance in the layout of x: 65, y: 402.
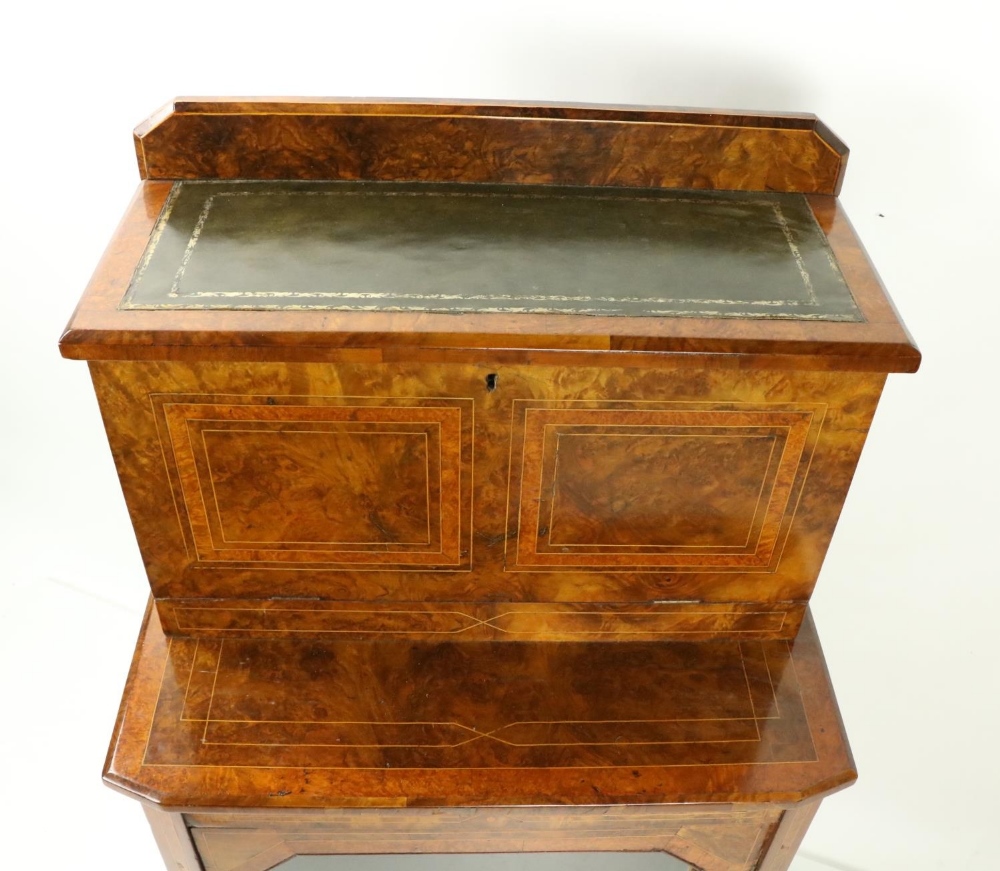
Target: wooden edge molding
x: 499, y: 108
x: 481, y: 141
x: 477, y: 621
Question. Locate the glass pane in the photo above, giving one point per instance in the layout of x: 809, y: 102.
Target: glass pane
x: 490, y: 862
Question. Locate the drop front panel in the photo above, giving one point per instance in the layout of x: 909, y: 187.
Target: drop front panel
x: 419, y: 484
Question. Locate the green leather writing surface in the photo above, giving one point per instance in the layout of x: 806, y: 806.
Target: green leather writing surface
x: 481, y: 248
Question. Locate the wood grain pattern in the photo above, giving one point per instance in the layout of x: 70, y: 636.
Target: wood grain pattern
x: 286, y: 702
x: 577, y: 145
x: 298, y: 723
x: 99, y: 330
x: 644, y: 486
x: 813, y: 422
x: 499, y: 580
x: 478, y: 621
x: 332, y: 481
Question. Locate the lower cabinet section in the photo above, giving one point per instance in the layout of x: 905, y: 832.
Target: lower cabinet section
x: 646, y: 838
x: 715, y: 753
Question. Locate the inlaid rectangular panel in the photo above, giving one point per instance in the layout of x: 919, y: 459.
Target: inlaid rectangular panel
x: 655, y: 486
x: 353, y: 481
x: 299, y: 721
x: 287, y: 702
x: 482, y: 248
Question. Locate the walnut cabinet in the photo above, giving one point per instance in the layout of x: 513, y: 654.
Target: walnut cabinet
x: 483, y: 460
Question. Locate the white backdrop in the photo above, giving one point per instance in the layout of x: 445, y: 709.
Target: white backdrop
x: 907, y: 603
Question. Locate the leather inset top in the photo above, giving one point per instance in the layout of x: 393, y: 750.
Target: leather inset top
x: 486, y: 248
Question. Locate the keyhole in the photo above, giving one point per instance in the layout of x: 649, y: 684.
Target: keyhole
x: 491, y: 381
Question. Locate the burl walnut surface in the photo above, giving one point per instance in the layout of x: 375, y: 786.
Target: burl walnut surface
x: 417, y: 483
x: 222, y: 139
x: 526, y: 571
x: 279, y: 722
x: 579, y: 145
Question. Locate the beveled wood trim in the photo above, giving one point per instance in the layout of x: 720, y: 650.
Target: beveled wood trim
x: 858, y: 270
x: 501, y: 108
x: 478, y: 621
x: 303, y: 138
